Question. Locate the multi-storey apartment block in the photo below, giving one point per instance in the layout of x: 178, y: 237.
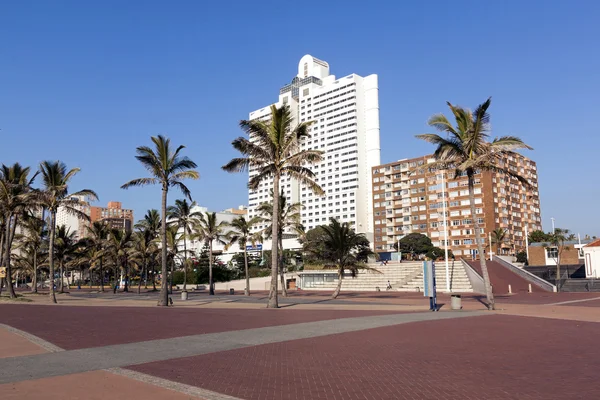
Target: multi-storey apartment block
x: 114, y: 214
x: 407, y: 197
x: 345, y: 115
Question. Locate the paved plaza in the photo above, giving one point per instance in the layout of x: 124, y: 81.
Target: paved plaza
x: 360, y: 346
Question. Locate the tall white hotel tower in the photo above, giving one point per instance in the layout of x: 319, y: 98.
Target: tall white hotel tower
x: 345, y: 112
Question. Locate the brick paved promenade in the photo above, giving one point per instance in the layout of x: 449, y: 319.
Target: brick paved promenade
x: 362, y: 346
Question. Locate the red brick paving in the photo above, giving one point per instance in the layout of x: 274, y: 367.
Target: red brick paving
x: 80, y: 327
x: 490, y: 357
x: 501, y: 277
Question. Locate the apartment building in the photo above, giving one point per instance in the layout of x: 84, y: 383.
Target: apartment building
x: 408, y: 197
x: 114, y: 214
x: 345, y: 115
x: 74, y: 223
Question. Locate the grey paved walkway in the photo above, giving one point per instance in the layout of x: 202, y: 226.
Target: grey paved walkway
x: 91, y: 359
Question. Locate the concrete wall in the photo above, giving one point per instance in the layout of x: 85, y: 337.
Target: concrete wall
x: 538, y: 256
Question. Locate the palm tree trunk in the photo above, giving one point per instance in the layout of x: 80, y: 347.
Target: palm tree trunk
x: 211, y: 287
x: 163, y: 298
x: 126, y: 288
x: 171, y: 276
x: 62, y: 276
x: 336, y: 292
x: 34, y: 278
x: 101, y: 276
x: 153, y: 278
x: 247, y: 290
x: 281, y: 274
x: 51, y: 254
x: 273, y: 300
x: 9, y: 283
x: 184, y: 263
x: 484, y: 270
x: 141, y: 276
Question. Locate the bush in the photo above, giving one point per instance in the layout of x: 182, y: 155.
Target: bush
x: 522, y: 257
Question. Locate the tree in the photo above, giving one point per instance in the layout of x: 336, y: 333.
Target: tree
x: 168, y: 169
x: 32, y: 243
x: 289, y: 218
x: 55, y: 194
x: 466, y: 150
x: 150, y: 226
x: 142, y: 252
x: 97, y: 240
x: 345, y: 248
x: 414, y: 244
x: 183, y: 217
x: 539, y: 237
x: 119, y: 246
x: 173, y: 239
x: 241, y: 235
x: 557, y: 241
x: 65, y: 247
x: 208, y: 230
x: 15, y: 197
x: 499, y: 238
x: 273, y: 149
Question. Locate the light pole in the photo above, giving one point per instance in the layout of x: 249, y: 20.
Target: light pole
x: 553, y: 230
x: 445, y: 232
x: 527, y: 241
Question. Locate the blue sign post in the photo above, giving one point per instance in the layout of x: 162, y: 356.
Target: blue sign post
x: 429, y: 287
x: 258, y: 247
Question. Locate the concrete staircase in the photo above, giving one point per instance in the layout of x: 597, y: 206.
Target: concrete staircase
x: 398, y: 274
x: 459, y: 281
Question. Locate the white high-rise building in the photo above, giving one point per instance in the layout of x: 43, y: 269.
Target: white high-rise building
x: 345, y: 115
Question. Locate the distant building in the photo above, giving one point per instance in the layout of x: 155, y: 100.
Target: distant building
x: 570, y: 253
x: 114, y: 214
x: 591, y: 253
x: 241, y: 210
x: 408, y: 197
x: 73, y: 222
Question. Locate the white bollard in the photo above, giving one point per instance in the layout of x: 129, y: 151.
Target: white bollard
x: 509, y: 289
x: 530, y: 288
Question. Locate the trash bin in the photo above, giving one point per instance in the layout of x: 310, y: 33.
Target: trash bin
x: 231, y: 290
x: 184, y: 295
x: 455, y: 302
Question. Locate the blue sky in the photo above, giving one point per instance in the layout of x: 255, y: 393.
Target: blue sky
x: 87, y: 82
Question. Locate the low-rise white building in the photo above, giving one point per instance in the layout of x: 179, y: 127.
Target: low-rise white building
x: 591, y: 255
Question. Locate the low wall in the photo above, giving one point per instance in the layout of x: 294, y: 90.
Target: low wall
x: 475, y: 279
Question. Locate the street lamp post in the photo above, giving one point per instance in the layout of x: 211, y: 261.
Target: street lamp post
x: 553, y: 230
x: 445, y: 232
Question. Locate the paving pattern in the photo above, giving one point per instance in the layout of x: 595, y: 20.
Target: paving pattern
x: 494, y: 357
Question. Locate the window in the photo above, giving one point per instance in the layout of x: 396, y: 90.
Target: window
x: 551, y: 252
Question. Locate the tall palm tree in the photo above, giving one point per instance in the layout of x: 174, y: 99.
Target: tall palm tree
x: 209, y: 230
x: 65, y: 247
x: 182, y: 216
x: 273, y: 149
x: 557, y: 240
x: 55, y: 194
x: 97, y: 240
x: 150, y: 225
x: 15, y: 197
x: 174, y: 237
x: 466, y: 150
x: 32, y: 243
x: 345, y: 248
x: 289, y: 218
x: 120, y: 242
x: 498, y: 237
x: 142, y: 252
x: 241, y: 234
x: 168, y: 169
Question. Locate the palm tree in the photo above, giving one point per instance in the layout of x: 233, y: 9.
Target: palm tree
x: 241, y: 234
x: 168, y: 169
x: 97, y: 240
x: 150, y: 226
x: 208, y: 230
x: 498, y: 237
x: 55, y: 194
x: 142, y: 252
x: 289, y: 217
x: 120, y: 242
x: 557, y: 240
x: 273, y: 149
x: 32, y: 242
x: 345, y: 248
x: 15, y: 197
x: 466, y: 150
x: 65, y: 247
x: 173, y: 239
x: 183, y: 217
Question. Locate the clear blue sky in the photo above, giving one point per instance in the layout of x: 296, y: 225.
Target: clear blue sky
x: 87, y: 82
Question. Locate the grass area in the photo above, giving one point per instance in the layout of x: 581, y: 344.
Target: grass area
x: 20, y: 299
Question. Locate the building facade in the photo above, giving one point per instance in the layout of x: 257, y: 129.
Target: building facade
x: 74, y: 223
x: 408, y: 197
x: 114, y: 214
x: 345, y: 116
